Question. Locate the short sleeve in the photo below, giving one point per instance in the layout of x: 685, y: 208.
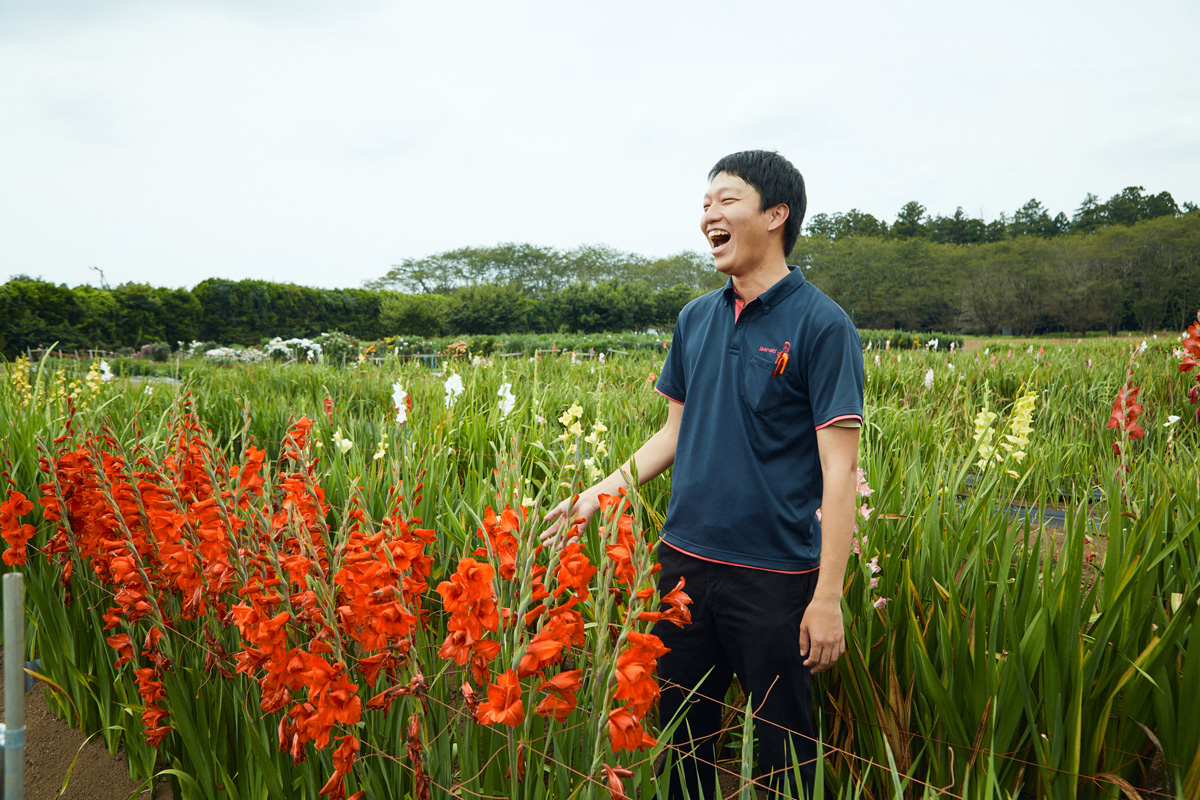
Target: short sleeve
x: 673, y: 381
x: 835, y: 373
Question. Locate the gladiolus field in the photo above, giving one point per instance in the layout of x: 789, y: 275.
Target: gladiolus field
x: 304, y: 581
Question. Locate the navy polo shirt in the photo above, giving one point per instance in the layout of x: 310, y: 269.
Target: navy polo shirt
x: 747, y: 475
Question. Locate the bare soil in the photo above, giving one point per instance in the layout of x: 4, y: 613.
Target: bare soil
x: 53, y: 749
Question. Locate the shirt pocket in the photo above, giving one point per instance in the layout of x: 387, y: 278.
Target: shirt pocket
x: 760, y: 391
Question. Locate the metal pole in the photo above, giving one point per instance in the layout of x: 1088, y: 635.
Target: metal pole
x: 14, y: 686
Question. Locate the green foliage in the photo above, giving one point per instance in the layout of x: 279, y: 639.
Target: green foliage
x: 1142, y: 277
x: 992, y: 658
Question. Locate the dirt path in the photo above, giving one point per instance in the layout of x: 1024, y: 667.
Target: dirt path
x: 51, y: 746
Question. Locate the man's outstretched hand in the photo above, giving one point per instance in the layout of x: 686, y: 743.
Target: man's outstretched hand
x: 822, y: 634
x: 574, y: 511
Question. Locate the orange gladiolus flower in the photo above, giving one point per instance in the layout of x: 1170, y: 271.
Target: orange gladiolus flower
x: 625, y: 731
x: 677, y: 611
x: 503, y: 705
x: 16, y: 534
x: 542, y: 651
x: 575, y: 572
x: 560, y: 694
x: 616, y: 789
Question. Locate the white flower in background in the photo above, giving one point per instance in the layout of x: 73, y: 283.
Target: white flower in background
x: 929, y: 379
x: 105, y: 371
x: 1171, y: 420
x: 1142, y: 347
x: 341, y: 442
x: 400, y: 401
x: 454, y: 387
x: 933, y: 344
x: 601, y: 358
x: 381, y: 449
x: 877, y: 359
x: 507, y: 400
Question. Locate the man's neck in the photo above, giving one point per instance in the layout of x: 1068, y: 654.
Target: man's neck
x: 754, y: 283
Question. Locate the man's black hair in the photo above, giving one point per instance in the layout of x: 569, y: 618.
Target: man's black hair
x: 775, y: 180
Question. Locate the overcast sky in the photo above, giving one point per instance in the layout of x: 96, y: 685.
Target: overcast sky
x: 321, y: 142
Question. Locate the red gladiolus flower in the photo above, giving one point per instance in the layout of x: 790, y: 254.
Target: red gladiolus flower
x: 616, y: 789
x: 574, y: 572
x: 343, y: 762
x: 542, y: 651
x: 560, y: 694
x: 1126, y: 410
x: 677, y: 602
x: 503, y: 705
x: 625, y: 732
x: 16, y: 534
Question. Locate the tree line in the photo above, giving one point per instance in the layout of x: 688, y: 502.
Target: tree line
x: 1130, y: 263
x: 1128, y: 207
x: 501, y: 290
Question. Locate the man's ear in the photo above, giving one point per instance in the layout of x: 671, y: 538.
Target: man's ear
x: 777, y: 216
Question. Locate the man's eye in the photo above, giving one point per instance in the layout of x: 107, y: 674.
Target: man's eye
x: 729, y: 200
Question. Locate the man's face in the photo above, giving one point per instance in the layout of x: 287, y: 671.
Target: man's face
x: 734, y: 225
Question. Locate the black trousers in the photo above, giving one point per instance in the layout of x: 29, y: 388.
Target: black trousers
x: 744, y: 622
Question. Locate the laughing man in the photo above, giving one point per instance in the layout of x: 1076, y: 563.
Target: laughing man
x: 765, y: 382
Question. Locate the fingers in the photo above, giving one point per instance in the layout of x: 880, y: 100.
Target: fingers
x: 825, y: 655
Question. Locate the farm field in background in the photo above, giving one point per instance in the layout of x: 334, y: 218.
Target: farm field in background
x: 301, y: 580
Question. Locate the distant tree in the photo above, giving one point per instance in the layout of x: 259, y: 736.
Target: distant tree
x: 413, y: 314
x: 37, y: 313
x: 99, y: 322
x: 487, y: 309
x: 1032, y: 219
x: 687, y: 268
x: 958, y: 229
x: 911, y: 221
x: 141, y: 314
x: 669, y: 302
x: 822, y: 225
x: 1089, y: 216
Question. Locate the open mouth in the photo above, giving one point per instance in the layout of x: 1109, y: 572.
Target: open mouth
x: 718, y: 239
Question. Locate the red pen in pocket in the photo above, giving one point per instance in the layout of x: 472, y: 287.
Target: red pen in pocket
x: 781, y: 359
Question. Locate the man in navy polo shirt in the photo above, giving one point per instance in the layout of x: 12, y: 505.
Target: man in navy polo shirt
x: 765, y: 382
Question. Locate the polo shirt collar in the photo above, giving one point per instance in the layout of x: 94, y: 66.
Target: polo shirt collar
x: 773, y: 296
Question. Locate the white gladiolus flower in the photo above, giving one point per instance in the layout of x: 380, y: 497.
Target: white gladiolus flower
x: 454, y: 387
x: 507, y: 400
x: 105, y: 371
x: 929, y: 379
x: 400, y: 401
x: 341, y: 442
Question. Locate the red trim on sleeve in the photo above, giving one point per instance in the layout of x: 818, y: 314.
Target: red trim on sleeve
x: 835, y: 419
x: 664, y: 394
